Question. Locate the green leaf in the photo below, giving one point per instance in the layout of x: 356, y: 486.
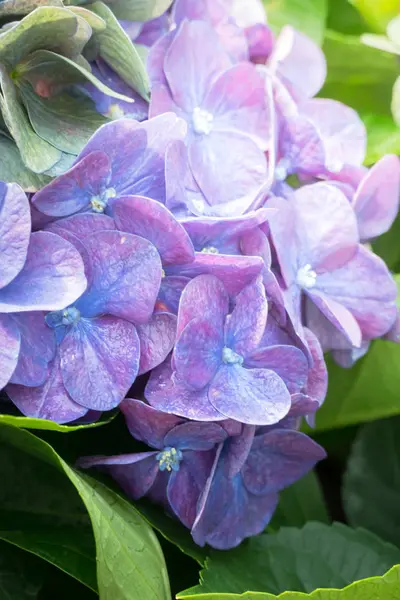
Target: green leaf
x: 64, y: 121
x: 37, y: 154
x: 47, y: 27
x: 316, y: 556
x: 367, y: 391
x: 130, y: 564
x: 21, y: 575
x: 13, y: 169
x: 308, y: 16
x: 301, y: 502
x: 118, y: 51
x: 44, y: 425
x: 383, y: 136
x: 374, y: 588
x: 23, y: 7
x: 95, y: 22
x: 371, y: 492
x: 138, y: 10
x: 345, y: 18
x: 377, y: 14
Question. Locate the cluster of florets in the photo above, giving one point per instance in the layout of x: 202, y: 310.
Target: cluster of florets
x: 216, y: 249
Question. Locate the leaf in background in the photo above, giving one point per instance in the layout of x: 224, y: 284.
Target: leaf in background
x: 13, y: 169
x: 345, y: 18
x: 23, y: 7
x: 44, y: 425
x: 64, y: 121
x: 138, y: 10
x: 299, y: 503
x: 377, y: 13
x: 118, y: 51
x: 383, y: 137
x: 317, y: 556
x: 37, y: 154
x: 371, y: 491
x: 130, y: 563
x: 308, y: 16
x: 21, y: 575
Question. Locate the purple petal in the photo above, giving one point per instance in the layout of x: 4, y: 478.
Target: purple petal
x: 198, y: 353
x: 317, y: 381
x: 338, y: 315
x: 235, y: 273
x: 100, y: 361
x: 165, y: 392
x: 376, y: 201
x: 15, y: 229
x: 72, y: 192
x: 10, y: 342
x: 154, y: 222
x: 195, y: 436
x: 38, y: 348
x: 301, y: 148
x: 126, y: 276
x: 82, y: 225
x: 278, y: 459
x: 284, y: 237
x: 48, y: 401
x: 237, y: 450
x: 157, y: 338
x: 147, y: 424
x: 52, y: 277
x: 170, y: 293
x: 246, y: 325
x: 253, y: 396
x: 287, y: 361
x: 205, y: 297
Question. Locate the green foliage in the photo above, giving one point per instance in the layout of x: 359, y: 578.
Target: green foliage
x: 308, y: 16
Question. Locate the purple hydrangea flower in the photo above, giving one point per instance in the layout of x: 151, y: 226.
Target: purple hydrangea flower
x: 38, y: 272
x: 337, y: 287
x: 122, y: 158
x: 242, y: 491
x: 98, y: 354
x: 178, y: 468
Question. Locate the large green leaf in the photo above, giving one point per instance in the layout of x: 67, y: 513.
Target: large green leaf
x: 21, y: 575
x: 345, y: 18
x: 371, y: 491
x: 138, y: 10
x: 308, y: 16
x: 130, y: 563
x: 23, y: 7
x: 299, y: 503
x: 383, y: 136
x: 37, y: 154
x: 315, y: 556
x: 13, y: 169
x: 377, y: 13
x: 64, y: 121
x: 373, y: 588
x: 118, y: 51
x: 45, y: 425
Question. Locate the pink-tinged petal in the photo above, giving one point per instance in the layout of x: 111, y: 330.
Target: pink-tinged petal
x: 376, y: 201
x: 154, y: 222
x: 205, y: 296
x: 301, y: 148
x: 341, y: 128
x: 299, y: 61
x: 223, y: 177
x: 287, y: 361
x: 317, y: 380
x: 260, y: 41
x: 147, y: 424
x: 329, y: 232
x: 135, y: 473
x: 237, y: 101
x: 15, y: 229
x: 165, y: 392
x: 126, y: 276
x: 162, y: 102
x: 73, y: 191
x: 393, y: 334
x: 157, y: 338
x: 82, y: 225
x: 155, y: 59
x: 278, y: 459
x: 329, y: 336
x: 49, y: 401
x: 235, y: 272
x: 38, y: 348
x: 10, y: 342
x: 246, y: 325
x: 285, y: 239
x: 52, y: 278
x: 100, y: 361
x: 365, y: 287
x: 198, y: 353
x: 303, y: 405
x: 195, y: 436
x: 170, y: 293
x: 191, y: 66
x: 338, y: 315
x: 253, y: 396
x: 347, y: 358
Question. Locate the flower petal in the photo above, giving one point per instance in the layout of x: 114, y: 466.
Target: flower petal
x: 253, y: 396
x: 10, y: 343
x: 147, y: 424
x: 287, y: 361
x: 15, y: 229
x: 100, y: 361
x: 195, y: 436
x: 157, y: 338
x: 338, y: 316
x: 170, y: 293
x: 317, y: 380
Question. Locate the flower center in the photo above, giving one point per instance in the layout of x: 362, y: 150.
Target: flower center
x: 210, y: 250
x: 99, y: 203
x: 202, y: 121
x: 169, y: 459
x: 230, y: 357
x: 59, y: 318
x: 306, y: 277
